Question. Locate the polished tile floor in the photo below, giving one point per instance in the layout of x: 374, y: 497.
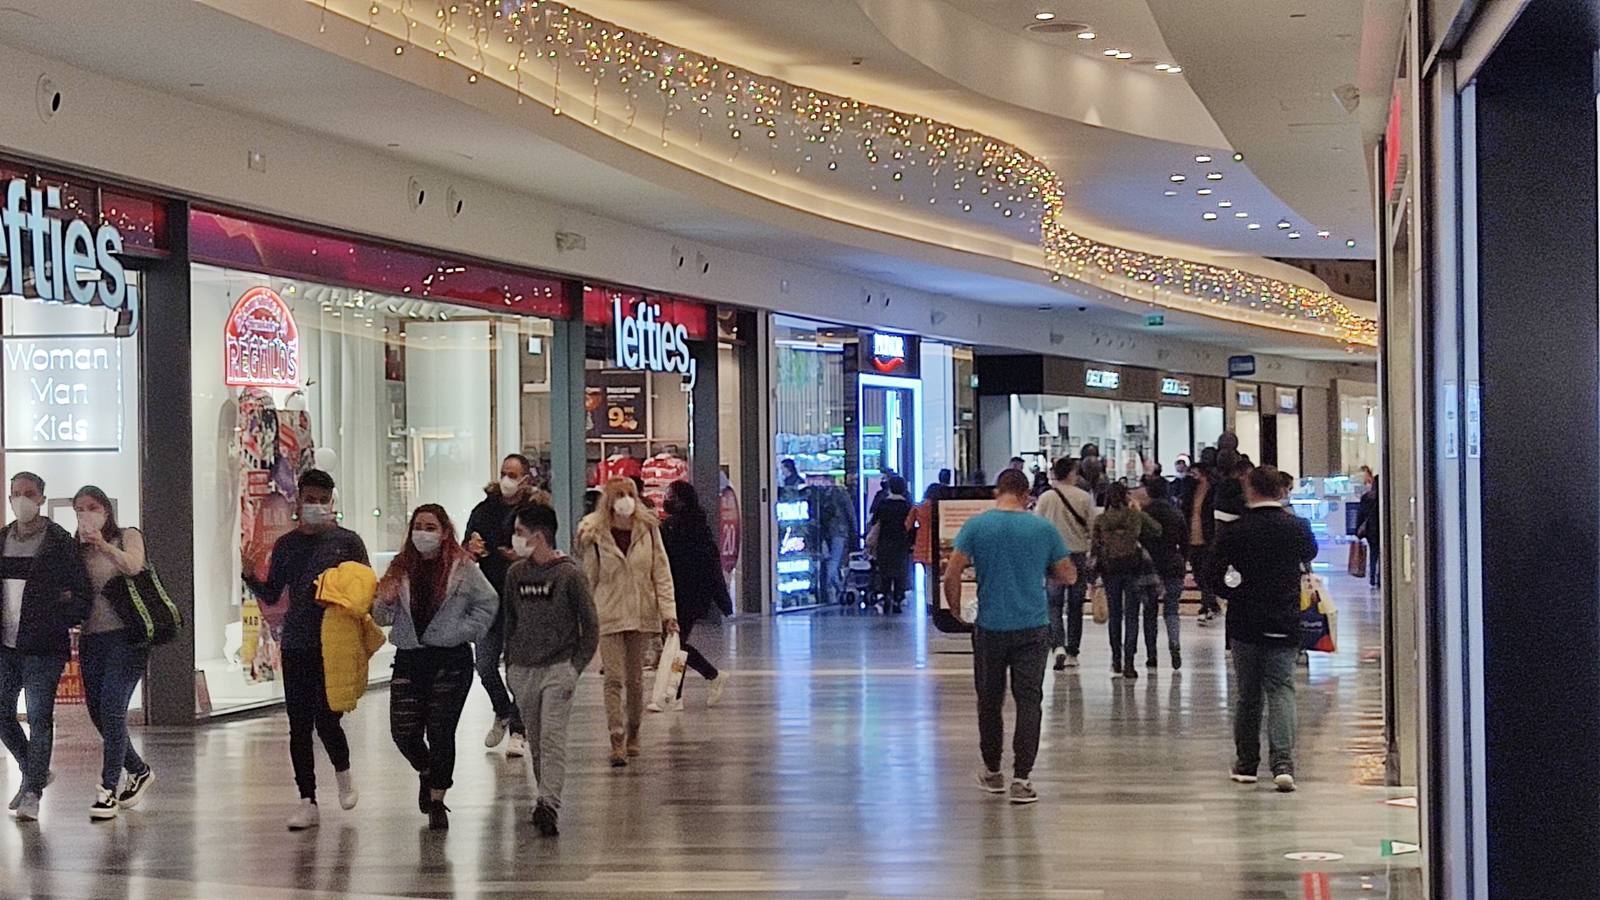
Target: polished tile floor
x: 841, y: 765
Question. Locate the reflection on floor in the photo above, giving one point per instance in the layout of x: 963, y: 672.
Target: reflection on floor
x: 840, y: 765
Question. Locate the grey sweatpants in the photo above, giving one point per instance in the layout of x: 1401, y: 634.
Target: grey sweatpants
x: 544, y: 696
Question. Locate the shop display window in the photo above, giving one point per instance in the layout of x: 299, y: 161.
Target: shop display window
x: 1045, y: 428
x: 814, y: 502
x: 402, y: 400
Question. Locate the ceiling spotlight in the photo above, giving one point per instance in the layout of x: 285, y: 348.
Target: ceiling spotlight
x: 1203, y: 192
x: 1213, y: 176
x: 1124, y: 54
x: 1209, y: 217
x: 1044, y: 16
x: 1284, y: 223
x: 1169, y: 193
x: 1254, y: 226
x: 1351, y: 243
x: 1173, y: 70
x: 1162, y: 67
x: 1203, y: 157
x: 1323, y: 235
x: 1109, y: 52
x: 1243, y: 215
x: 1176, y: 178
x: 1294, y: 235
x: 1224, y: 204
x: 1238, y: 157
x: 1086, y: 35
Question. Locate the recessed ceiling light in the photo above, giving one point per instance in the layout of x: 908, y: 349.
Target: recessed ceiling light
x: 1124, y: 54
x: 1203, y: 158
x: 1209, y: 217
x: 1203, y: 192
x: 1162, y: 67
x: 1044, y: 16
x: 1169, y: 193
x: 1177, y: 179
x: 1224, y: 204
x: 1108, y: 52
x: 1243, y: 215
x: 1254, y: 226
x: 1238, y: 157
x: 1173, y: 70
x: 1086, y: 35
x: 1351, y: 243
x: 1323, y: 235
x: 1213, y: 176
x: 1284, y: 223
x: 1294, y: 235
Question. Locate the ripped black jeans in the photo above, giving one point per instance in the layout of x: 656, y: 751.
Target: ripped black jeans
x: 426, y: 694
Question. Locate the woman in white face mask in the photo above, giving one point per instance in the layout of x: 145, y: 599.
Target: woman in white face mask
x: 112, y: 664
x: 619, y: 547
x: 438, y: 602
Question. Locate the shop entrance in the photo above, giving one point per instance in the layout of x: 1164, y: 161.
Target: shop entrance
x: 1269, y: 441
x: 888, y: 436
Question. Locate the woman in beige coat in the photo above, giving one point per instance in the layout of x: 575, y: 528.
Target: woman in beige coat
x: 619, y: 547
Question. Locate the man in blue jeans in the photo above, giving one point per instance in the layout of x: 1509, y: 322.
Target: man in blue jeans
x: 1071, y: 510
x: 44, y: 591
x: 1013, y: 552
x: 1257, y: 566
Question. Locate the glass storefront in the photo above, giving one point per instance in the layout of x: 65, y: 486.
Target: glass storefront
x: 1046, y: 428
x: 809, y: 417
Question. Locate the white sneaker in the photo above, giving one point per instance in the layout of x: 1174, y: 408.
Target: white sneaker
x: 1284, y: 782
x: 348, y: 795
x: 718, y: 685
x: 497, y: 733
x: 517, y: 746
x: 677, y: 705
x: 28, y: 808
x: 652, y: 706
x: 305, y: 816
x: 104, y: 805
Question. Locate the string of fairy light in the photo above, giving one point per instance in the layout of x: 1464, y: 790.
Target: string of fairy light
x: 533, y: 45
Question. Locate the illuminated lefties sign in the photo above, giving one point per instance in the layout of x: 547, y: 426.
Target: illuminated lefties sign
x: 261, y: 345
x: 69, y: 260
x: 1104, y: 379
x: 645, y: 343
x: 1176, y: 387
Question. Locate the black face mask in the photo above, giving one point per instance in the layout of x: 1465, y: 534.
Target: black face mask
x: 672, y: 507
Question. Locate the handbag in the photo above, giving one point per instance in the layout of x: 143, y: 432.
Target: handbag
x: 146, y: 609
x: 1358, y: 559
x: 669, y: 671
x: 1318, y: 616
x: 1099, y: 604
x: 871, y: 543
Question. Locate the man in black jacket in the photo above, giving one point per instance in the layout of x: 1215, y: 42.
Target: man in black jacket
x: 45, y: 593
x: 1257, y: 565
x: 1166, y: 552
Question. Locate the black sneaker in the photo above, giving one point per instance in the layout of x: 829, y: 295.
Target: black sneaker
x: 544, y: 819
x: 1177, y: 659
x: 1116, y: 668
x: 438, y: 818
x: 1242, y: 776
x: 1061, y: 659
x: 1130, y: 671
x: 104, y: 805
x: 133, y: 790
x: 1150, y: 661
x: 424, y: 794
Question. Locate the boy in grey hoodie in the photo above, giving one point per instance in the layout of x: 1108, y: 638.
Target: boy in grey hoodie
x: 551, y: 635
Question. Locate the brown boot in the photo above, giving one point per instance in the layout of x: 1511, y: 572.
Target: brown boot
x: 633, y: 741
x: 619, y: 756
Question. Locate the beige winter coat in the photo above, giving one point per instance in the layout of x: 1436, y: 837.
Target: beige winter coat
x: 632, y: 593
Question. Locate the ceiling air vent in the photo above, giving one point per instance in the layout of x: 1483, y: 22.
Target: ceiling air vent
x: 1071, y: 28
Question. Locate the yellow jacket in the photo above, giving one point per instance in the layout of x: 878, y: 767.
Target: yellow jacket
x: 349, y: 636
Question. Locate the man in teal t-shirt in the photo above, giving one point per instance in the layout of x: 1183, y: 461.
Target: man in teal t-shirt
x: 1014, y: 552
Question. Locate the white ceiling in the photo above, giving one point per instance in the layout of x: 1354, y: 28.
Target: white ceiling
x: 1115, y: 180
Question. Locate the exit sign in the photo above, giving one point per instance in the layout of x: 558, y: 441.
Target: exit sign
x: 1155, y: 320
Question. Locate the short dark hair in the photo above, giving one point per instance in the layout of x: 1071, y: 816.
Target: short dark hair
x: 1155, y: 486
x: 897, y: 485
x: 29, y: 476
x: 1012, y: 482
x: 1018, y: 459
x: 1063, y: 468
x: 1117, y: 496
x: 315, y: 478
x: 537, y: 517
x: 527, y: 467
x: 1265, y: 481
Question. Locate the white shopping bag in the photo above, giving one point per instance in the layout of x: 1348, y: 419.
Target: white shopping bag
x: 669, y: 672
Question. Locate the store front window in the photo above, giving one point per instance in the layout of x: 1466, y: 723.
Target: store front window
x: 809, y: 418
x: 1046, y: 428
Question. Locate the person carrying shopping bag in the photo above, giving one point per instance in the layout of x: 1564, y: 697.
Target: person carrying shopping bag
x: 1122, y: 562
x: 619, y: 548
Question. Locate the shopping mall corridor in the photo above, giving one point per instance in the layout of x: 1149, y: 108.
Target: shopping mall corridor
x: 840, y: 765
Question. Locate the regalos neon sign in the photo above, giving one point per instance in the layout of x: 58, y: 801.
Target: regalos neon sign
x: 645, y: 343
x: 70, y: 261
x: 261, y: 343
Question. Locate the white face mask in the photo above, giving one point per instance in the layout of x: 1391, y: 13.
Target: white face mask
x: 25, y: 509
x: 316, y: 514
x: 521, y: 546
x: 510, y: 486
x: 426, y: 542
x: 91, y: 521
x: 623, y: 506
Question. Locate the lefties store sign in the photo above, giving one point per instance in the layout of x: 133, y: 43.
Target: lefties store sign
x: 60, y: 260
x: 645, y: 343
x: 261, y: 343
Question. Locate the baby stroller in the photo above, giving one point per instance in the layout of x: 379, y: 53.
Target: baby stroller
x: 859, y: 583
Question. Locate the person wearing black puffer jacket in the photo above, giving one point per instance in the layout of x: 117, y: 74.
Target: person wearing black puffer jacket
x: 44, y: 592
x: 696, y: 577
x: 1166, y: 552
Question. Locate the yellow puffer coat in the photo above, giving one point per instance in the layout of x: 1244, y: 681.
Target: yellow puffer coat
x: 349, y: 636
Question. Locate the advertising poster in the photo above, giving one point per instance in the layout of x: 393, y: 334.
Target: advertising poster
x: 949, y: 514
x: 614, y: 403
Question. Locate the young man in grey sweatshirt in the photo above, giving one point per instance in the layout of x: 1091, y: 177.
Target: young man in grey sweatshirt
x: 551, y: 635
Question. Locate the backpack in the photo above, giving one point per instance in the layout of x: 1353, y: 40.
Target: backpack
x: 1120, y: 550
